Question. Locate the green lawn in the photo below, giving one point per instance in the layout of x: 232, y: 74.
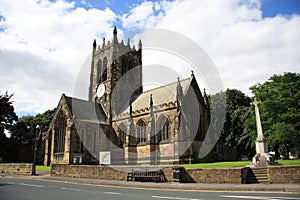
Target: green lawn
x: 236, y: 164
x: 289, y: 162
x: 205, y: 165
x: 43, y: 168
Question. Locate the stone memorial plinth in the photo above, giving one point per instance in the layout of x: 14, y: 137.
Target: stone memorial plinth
x: 262, y: 157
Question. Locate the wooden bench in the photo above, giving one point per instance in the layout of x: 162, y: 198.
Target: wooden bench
x: 146, y: 175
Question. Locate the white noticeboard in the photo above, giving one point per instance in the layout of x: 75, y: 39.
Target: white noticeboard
x: 105, y: 157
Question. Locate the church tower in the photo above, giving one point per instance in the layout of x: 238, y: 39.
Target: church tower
x: 112, y: 62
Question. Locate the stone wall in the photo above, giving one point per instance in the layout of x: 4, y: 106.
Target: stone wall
x: 16, y: 168
x: 284, y: 174
x: 88, y: 171
x: 120, y: 173
x: 277, y: 174
x: 218, y: 175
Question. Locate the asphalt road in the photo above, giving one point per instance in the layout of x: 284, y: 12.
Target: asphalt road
x: 23, y: 189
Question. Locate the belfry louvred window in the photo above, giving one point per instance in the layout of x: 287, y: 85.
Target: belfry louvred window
x: 99, y: 71
x: 104, y: 71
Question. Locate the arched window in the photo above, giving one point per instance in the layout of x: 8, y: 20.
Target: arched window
x: 122, y: 134
x: 95, y: 141
x: 141, y: 131
x: 99, y: 71
x: 104, y: 72
x: 60, y: 133
x: 164, y: 129
x: 124, y: 66
x: 81, y: 139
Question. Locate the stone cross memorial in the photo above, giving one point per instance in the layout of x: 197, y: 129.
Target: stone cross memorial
x: 262, y: 157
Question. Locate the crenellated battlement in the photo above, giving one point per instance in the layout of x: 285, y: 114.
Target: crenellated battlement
x: 114, y: 43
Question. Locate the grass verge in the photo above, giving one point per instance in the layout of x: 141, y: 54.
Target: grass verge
x: 43, y: 168
x: 236, y: 164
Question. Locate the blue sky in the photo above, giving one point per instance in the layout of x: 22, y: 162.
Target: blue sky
x: 43, y: 44
x: 271, y: 8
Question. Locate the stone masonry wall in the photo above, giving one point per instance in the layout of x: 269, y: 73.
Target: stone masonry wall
x: 278, y: 174
x: 120, y: 173
x: 284, y: 174
x: 88, y: 171
x: 16, y: 168
x: 218, y: 175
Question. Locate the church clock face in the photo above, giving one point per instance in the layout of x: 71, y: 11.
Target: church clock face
x: 100, y: 90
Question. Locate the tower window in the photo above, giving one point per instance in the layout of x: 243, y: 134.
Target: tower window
x: 124, y: 65
x: 99, y: 71
x: 104, y: 72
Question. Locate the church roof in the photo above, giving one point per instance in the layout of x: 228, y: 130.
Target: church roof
x: 160, y: 95
x: 85, y: 110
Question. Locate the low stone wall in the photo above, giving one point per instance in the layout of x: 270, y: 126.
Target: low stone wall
x: 16, y: 168
x: 120, y: 173
x: 284, y: 174
x: 217, y: 175
x: 88, y: 171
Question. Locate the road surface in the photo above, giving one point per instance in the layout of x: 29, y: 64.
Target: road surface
x: 32, y: 189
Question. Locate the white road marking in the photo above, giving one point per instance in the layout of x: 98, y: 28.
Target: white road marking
x: 178, y: 198
x: 30, y: 185
x: 72, y: 189
x: 114, y: 193
x: 259, y: 197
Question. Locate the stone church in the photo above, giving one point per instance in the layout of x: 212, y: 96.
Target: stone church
x: 120, y: 123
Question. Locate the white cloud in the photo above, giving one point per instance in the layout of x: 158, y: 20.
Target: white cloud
x: 43, y: 45
x: 245, y: 47
x: 145, y: 15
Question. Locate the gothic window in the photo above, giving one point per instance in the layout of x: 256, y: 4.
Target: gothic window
x: 164, y: 129
x: 81, y: 140
x: 104, y: 72
x: 131, y: 65
x: 99, y: 71
x: 60, y: 133
x: 199, y: 127
x: 124, y: 65
x: 122, y: 134
x: 141, y: 131
x: 194, y: 119
x: 95, y: 141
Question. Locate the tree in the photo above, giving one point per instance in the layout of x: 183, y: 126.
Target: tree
x: 23, y: 135
x: 280, y: 116
x: 237, y: 110
x: 7, y: 118
x: 7, y: 113
x: 44, y: 119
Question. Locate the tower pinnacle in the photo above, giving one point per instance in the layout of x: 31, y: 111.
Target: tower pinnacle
x: 115, y: 35
x: 94, y: 44
x: 115, y: 30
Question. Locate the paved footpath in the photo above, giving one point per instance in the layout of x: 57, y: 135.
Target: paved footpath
x: 289, y: 188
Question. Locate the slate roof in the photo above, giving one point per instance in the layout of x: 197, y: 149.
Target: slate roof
x: 85, y: 110
x: 160, y: 95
